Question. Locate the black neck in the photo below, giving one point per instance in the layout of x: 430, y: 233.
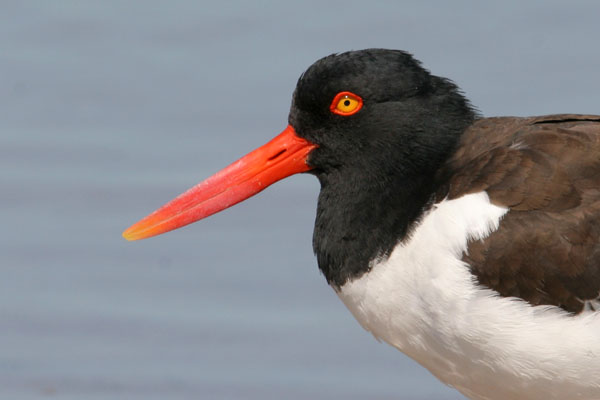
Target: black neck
x: 363, y: 214
x: 358, y: 222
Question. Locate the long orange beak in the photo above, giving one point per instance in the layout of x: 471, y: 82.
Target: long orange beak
x: 283, y: 156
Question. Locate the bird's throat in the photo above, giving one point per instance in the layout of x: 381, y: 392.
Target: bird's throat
x: 359, y: 222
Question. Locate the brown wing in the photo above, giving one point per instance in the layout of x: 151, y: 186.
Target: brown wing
x: 546, y: 170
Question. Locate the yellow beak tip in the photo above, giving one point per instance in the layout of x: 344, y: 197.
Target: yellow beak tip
x: 129, y: 235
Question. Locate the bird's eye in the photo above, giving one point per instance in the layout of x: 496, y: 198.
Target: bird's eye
x: 346, y: 103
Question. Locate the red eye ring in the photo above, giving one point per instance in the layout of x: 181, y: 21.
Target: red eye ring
x: 346, y: 103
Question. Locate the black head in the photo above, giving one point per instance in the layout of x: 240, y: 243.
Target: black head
x: 376, y: 166
x: 375, y: 128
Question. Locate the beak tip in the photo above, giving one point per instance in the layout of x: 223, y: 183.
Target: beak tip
x: 128, y: 235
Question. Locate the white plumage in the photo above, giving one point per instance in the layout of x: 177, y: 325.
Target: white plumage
x: 424, y: 301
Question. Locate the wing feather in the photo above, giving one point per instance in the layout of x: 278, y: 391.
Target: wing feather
x: 546, y: 170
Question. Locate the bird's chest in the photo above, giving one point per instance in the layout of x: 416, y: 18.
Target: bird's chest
x: 424, y: 301
x: 417, y: 299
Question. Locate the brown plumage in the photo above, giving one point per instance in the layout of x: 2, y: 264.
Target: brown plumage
x: 546, y: 170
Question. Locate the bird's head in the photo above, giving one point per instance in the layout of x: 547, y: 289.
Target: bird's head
x: 378, y: 111
x: 356, y: 117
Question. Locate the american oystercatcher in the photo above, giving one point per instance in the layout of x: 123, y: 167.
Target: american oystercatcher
x: 471, y: 244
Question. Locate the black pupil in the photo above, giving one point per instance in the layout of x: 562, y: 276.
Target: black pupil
x: 346, y: 102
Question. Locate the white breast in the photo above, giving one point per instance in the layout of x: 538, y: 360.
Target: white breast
x: 424, y: 301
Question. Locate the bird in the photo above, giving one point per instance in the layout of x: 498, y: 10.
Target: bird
x: 469, y: 243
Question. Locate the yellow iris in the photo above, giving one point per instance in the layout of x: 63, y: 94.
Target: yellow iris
x: 346, y: 103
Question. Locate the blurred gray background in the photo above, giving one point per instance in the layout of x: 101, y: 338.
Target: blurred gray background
x: 110, y: 108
